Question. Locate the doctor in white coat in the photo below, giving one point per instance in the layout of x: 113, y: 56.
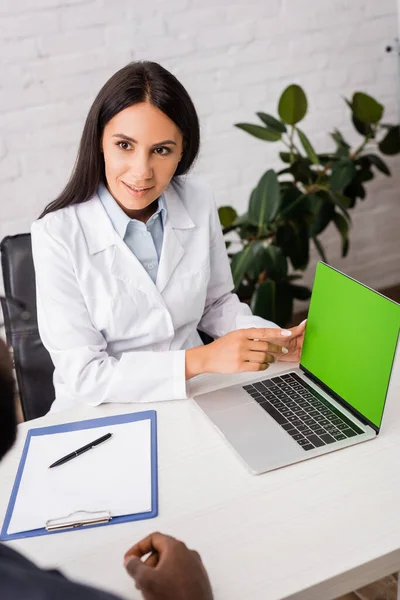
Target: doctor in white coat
x: 130, y: 260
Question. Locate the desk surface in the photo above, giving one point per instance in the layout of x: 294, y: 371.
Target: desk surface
x: 312, y: 530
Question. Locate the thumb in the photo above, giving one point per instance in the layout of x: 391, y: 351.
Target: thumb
x: 143, y: 575
x: 300, y: 328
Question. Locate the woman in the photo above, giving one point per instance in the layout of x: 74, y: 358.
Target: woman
x: 130, y: 260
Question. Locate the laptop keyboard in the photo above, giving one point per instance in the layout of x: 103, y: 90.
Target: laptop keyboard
x: 306, y: 415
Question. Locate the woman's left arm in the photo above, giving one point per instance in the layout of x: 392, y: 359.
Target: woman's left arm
x: 223, y: 310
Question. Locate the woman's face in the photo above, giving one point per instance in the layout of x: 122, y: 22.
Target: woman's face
x: 142, y: 148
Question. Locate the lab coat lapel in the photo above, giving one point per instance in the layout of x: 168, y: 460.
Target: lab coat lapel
x: 126, y: 267
x: 177, y: 219
x: 101, y: 237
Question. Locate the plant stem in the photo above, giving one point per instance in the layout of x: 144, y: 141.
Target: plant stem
x: 315, y: 187
x: 323, y: 172
x: 361, y: 147
x: 291, y: 144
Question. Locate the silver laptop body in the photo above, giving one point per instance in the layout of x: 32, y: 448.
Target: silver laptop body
x: 296, y: 414
x: 260, y: 441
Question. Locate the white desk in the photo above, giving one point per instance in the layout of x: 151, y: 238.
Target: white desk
x: 311, y: 531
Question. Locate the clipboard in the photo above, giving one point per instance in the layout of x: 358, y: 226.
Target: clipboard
x: 84, y: 518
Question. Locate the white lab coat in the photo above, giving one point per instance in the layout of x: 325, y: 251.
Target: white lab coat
x: 114, y: 335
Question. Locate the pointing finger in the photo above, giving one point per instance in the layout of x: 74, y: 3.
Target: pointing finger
x: 268, y: 334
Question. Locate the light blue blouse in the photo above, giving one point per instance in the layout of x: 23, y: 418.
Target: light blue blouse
x: 143, y: 239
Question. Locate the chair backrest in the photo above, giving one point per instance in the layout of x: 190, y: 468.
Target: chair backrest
x: 33, y: 365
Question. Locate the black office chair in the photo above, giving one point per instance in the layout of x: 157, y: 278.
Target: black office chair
x: 33, y: 365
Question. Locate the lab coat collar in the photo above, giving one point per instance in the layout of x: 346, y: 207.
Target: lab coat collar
x: 100, y: 233
x: 172, y: 249
x: 118, y: 217
x: 177, y: 214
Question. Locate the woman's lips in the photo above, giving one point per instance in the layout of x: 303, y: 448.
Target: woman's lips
x: 137, y: 193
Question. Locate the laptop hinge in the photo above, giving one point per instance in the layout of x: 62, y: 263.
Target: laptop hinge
x: 339, y: 399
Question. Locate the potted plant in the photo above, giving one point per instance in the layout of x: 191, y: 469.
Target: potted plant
x: 290, y: 209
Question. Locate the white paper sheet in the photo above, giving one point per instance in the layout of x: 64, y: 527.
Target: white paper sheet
x: 114, y: 476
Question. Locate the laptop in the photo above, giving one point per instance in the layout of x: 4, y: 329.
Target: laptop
x: 337, y: 395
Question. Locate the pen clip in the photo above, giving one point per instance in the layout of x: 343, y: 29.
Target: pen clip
x: 77, y: 519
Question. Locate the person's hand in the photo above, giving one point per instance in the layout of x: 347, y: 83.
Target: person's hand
x: 293, y: 344
x: 171, y: 572
x: 250, y: 349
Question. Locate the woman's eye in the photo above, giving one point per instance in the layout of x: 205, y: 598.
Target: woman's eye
x: 162, y: 150
x: 123, y: 145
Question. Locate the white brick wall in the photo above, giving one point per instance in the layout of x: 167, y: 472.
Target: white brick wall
x: 235, y: 57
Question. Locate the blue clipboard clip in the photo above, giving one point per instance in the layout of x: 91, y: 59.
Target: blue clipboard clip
x: 80, y: 518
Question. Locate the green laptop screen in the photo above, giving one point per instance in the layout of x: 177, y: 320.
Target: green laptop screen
x: 350, y: 340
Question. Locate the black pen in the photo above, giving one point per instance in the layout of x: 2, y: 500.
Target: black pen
x: 65, y: 459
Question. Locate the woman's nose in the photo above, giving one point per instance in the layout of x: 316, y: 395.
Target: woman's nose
x: 141, y: 168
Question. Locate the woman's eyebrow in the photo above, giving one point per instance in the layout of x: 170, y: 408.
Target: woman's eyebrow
x: 129, y: 139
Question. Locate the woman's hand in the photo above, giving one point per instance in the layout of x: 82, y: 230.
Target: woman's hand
x: 250, y: 349
x: 293, y: 345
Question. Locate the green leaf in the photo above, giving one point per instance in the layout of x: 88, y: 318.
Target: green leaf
x: 294, y: 203
x: 364, y: 174
x: 343, y: 172
x: 247, y: 232
x: 293, y: 238
x: 227, y: 215
x: 362, y: 128
x: 300, y: 292
x: 390, y: 144
x: 265, y: 200
x: 287, y: 158
x: 338, y: 138
x: 354, y: 190
x: 301, y: 171
x: 307, y: 147
x: 343, y: 228
x: 262, y: 133
x: 324, y: 158
x: 241, y: 220
x: 263, y: 302
x: 273, y: 301
x: 292, y: 106
x: 284, y: 304
x: 241, y: 261
x: 272, y: 123
x: 378, y: 163
x: 294, y: 277
x: 284, y: 171
x: 366, y: 109
x: 258, y: 263
x: 342, y: 202
x: 343, y: 148
x: 276, y: 263
x: 324, y: 210
x: 320, y: 249
x: 315, y: 202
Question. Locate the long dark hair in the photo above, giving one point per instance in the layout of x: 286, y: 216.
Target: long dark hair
x: 140, y: 81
